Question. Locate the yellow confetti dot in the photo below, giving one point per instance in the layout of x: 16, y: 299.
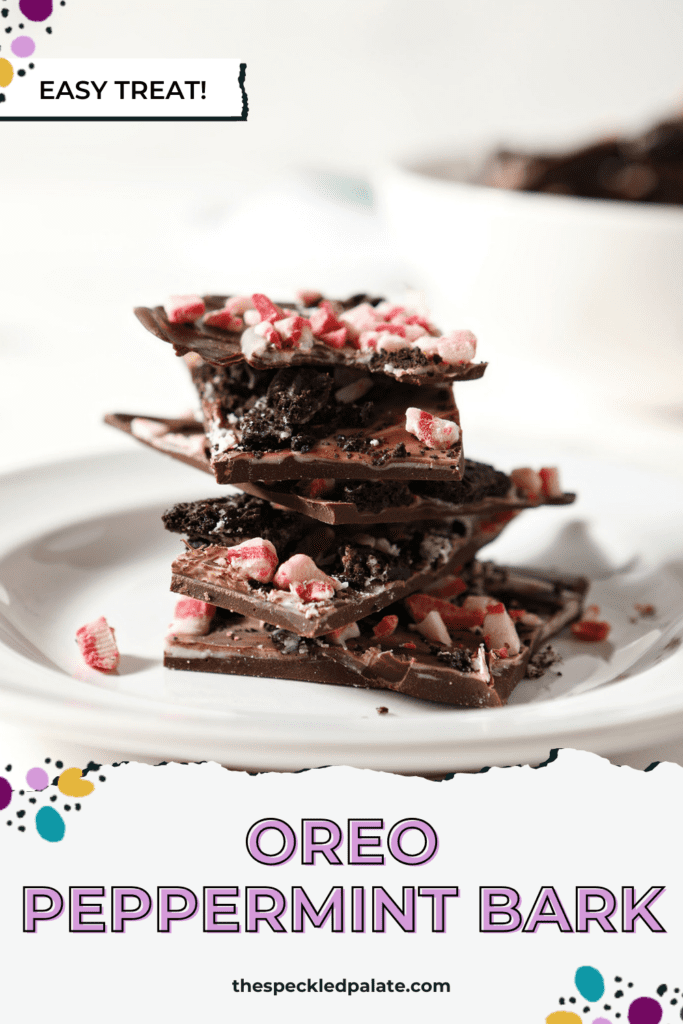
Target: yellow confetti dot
x: 6, y: 72
x: 70, y: 783
x: 563, y: 1017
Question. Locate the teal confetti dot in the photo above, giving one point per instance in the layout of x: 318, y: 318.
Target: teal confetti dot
x: 50, y: 825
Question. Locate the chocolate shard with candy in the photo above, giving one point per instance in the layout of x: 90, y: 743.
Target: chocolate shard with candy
x: 360, y: 332
x: 482, y: 489
x: 254, y: 559
x: 383, y: 651
x: 304, y: 422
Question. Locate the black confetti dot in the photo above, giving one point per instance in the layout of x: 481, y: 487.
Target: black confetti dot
x: 10, y: 822
x: 677, y: 990
x: 617, y: 979
x: 561, y: 1000
x: 47, y: 760
x: 607, y: 1006
x: 661, y: 990
x: 630, y: 984
x: 67, y: 807
x: 586, y: 1009
x: 8, y: 767
x: 20, y: 814
x: 673, y: 1002
x: 2, y: 97
x: 31, y: 66
x: 5, y: 12
x: 77, y: 807
x: 21, y: 26
x: 21, y: 72
x: 59, y: 764
x: 49, y: 31
x: 52, y: 799
x: 22, y: 828
x: 618, y: 994
x: 571, y: 999
x: 62, y: 3
x: 8, y: 29
x: 31, y: 799
x: 21, y: 792
x: 102, y: 778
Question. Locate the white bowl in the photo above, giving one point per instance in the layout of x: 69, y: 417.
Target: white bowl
x: 592, y: 287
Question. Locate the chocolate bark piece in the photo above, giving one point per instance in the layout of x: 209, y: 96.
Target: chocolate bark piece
x: 648, y: 168
x: 371, y: 570
x: 253, y: 423
x: 404, y: 661
x: 234, y: 518
x: 351, y: 502
x: 222, y: 347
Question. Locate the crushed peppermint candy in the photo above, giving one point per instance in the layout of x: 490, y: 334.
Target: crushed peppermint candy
x: 97, y: 643
x: 431, y: 430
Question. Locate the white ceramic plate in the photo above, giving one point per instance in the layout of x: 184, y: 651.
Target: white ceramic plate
x: 83, y: 538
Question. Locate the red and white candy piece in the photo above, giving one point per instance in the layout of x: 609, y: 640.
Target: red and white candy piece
x: 184, y: 309
x: 386, y: 626
x: 431, y: 430
x: 420, y: 605
x: 239, y: 304
x: 319, y: 486
x: 252, y: 559
x: 528, y: 481
x: 308, y: 297
x: 454, y: 348
x: 192, y: 617
x: 434, y: 628
x: 550, y: 482
x: 344, y: 633
x: 589, y: 627
x: 266, y: 309
x: 499, y: 630
x: 224, y: 319
x: 302, y: 576
x: 447, y: 586
x: 97, y: 644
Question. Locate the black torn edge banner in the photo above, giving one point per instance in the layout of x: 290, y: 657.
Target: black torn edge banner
x: 232, y: 117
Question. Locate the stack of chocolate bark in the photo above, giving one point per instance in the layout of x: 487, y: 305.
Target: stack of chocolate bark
x: 347, y: 553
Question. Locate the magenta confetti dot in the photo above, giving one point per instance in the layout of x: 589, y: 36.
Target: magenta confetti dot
x: 5, y: 794
x: 645, y: 1011
x: 36, y: 10
x: 37, y: 778
x: 23, y: 46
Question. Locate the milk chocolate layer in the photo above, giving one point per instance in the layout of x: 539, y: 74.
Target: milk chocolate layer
x: 222, y: 348
x: 373, y: 569
x: 405, y: 662
x: 351, y: 502
x: 290, y: 425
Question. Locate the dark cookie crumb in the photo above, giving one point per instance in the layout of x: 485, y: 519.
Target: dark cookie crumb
x: 230, y: 520
x: 541, y: 662
x: 382, y: 710
x: 404, y: 359
x: 459, y: 659
x: 479, y: 481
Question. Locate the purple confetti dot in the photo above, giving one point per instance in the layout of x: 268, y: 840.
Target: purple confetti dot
x: 23, y: 46
x: 36, y: 10
x: 37, y: 778
x: 645, y: 1011
x: 5, y: 794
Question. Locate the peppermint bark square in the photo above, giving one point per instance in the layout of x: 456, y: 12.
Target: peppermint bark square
x: 310, y: 423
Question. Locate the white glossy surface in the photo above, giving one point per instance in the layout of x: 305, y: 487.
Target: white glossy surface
x: 96, y: 547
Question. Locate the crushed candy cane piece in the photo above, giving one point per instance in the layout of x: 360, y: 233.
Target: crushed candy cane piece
x: 224, y: 319
x: 97, y: 644
x: 591, y: 631
x: 434, y: 628
x: 301, y: 569
x: 528, y: 481
x: 308, y: 298
x: 499, y: 629
x: 184, y: 309
x: 254, y: 559
x: 335, y: 338
x: 252, y: 317
x: 447, y: 586
x: 344, y: 633
x: 386, y: 626
x: 313, y: 590
x: 420, y: 605
x: 314, y: 488
x: 267, y: 309
x: 290, y: 330
x: 550, y: 482
x: 192, y: 617
x: 239, y: 304
x: 431, y: 430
